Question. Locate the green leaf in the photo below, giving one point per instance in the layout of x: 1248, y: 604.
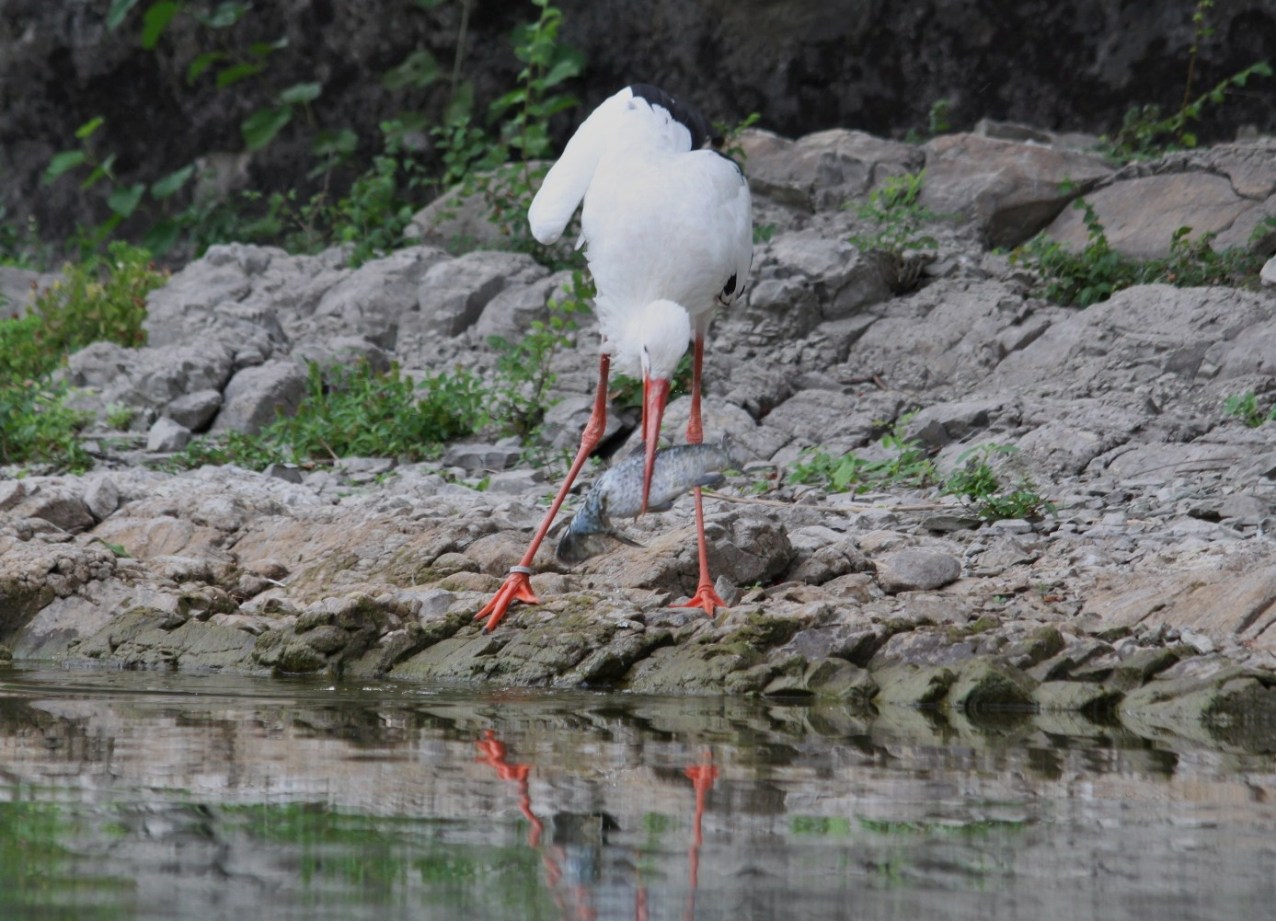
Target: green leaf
x: 336, y: 144
x: 224, y: 16
x: 118, y: 10
x: 89, y: 127
x: 100, y: 172
x: 260, y: 128
x: 461, y: 106
x: 568, y: 65
x: 201, y: 64
x: 300, y: 93
x: 166, y: 186
x: 63, y: 162
x: 417, y: 71
x: 161, y: 238
x: 124, y: 201
x: 229, y: 76
x: 264, y: 49
x: 156, y: 20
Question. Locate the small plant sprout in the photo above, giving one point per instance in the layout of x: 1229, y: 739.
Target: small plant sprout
x: 896, y: 215
x: 978, y: 484
x: 1244, y: 406
x: 903, y: 462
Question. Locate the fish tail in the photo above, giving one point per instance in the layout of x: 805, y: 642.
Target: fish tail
x: 578, y: 541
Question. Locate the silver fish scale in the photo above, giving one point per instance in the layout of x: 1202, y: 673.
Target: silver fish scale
x: 618, y: 493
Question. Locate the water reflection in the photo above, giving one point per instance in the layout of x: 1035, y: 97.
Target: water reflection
x: 126, y: 795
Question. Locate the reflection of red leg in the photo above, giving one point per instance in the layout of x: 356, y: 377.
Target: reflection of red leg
x: 517, y: 585
x: 493, y: 753
x: 705, y: 596
x: 702, y: 777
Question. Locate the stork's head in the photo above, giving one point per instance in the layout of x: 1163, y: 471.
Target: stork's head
x: 655, y: 340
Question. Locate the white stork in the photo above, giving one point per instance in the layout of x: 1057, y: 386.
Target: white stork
x: 668, y: 234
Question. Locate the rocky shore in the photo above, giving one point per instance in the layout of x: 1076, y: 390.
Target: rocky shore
x: 1145, y: 593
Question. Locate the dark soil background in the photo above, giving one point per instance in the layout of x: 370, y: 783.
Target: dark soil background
x: 802, y: 64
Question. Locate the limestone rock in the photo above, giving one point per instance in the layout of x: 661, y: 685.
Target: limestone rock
x: 1012, y: 190
x: 824, y: 169
x: 167, y: 436
x: 915, y: 570
x: 256, y: 396
x: 1140, y: 216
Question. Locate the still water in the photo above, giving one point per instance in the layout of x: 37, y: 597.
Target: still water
x: 147, y: 796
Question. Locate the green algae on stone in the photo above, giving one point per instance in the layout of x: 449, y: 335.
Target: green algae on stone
x: 988, y: 684
x: 1136, y: 669
x: 1040, y: 644
x: 913, y: 685
x: 689, y: 668
x: 1092, y: 700
x: 610, y: 663
x: 1224, y: 704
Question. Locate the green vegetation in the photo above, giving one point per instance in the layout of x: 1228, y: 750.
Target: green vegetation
x: 978, y: 484
x: 1099, y: 271
x: 101, y: 299
x: 524, y: 371
x: 898, y: 218
x: 904, y: 462
x: 1244, y: 406
x: 356, y: 412
x: 495, y: 160
x: 491, y: 156
x: 1147, y: 132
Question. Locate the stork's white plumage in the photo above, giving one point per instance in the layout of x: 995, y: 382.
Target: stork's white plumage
x: 668, y: 234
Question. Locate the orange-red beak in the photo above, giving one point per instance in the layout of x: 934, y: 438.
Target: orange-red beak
x: 655, y: 393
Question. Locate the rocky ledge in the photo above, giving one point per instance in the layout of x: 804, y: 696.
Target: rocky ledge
x: 1146, y: 592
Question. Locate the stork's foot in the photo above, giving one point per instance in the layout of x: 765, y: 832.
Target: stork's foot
x: 706, y: 598
x: 517, y: 587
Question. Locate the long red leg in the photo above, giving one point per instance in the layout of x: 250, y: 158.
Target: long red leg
x: 705, y: 596
x: 518, y: 585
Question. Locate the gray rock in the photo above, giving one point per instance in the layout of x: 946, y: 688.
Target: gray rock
x: 1244, y: 509
x: 166, y: 436
x: 194, y: 410
x: 101, y: 496
x: 452, y: 294
x: 285, y: 472
x: 255, y: 397
x: 372, y: 300
x: 843, y: 279
x: 510, y: 313
x: 915, y: 570
x: 19, y: 287
x: 825, y: 169
x: 478, y: 458
x: 60, y: 504
x: 1012, y: 190
x: 342, y: 353
x: 239, y: 295
x: 515, y: 482
x: 1268, y: 273
x: 942, y: 423
x: 11, y: 493
x: 1141, y: 215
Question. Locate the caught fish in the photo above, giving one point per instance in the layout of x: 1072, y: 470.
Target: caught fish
x: 618, y: 493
